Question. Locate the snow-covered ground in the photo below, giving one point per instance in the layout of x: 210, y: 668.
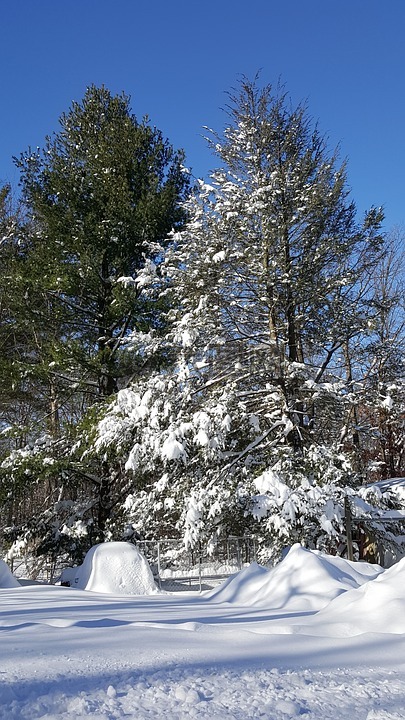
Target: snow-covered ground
x: 316, y: 637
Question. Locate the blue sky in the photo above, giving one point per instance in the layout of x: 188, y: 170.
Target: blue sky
x: 177, y: 58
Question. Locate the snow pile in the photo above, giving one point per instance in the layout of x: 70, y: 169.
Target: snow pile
x: 306, y: 580
x: 377, y: 607
x: 7, y: 579
x: 117, y: 568
x: 229, y: 654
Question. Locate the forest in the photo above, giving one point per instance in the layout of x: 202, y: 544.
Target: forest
x: 194, y: 359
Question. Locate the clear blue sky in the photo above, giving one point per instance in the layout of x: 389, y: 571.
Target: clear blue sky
x: 177, y: 58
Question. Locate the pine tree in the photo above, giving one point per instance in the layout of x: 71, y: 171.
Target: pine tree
x: 277, y: 256
x: 101, y: 195
x: 14, y: 402
x: 99, y: 201
x: 7, y: 239
x: 271, y: 278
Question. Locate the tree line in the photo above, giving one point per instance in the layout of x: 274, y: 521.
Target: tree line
x: 183, y: 358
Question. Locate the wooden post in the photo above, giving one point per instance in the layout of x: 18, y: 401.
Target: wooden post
x: 348, y: 522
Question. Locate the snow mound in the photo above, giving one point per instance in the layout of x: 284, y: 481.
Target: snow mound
x: 306, y: 580
x: 7, y: 579
x: 242, y: 588
x: 117, y: 568
x: 376, y: 607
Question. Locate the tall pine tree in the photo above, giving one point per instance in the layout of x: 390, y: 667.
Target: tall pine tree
x: 99, y: 201
x: 271, y: 277
x: 105, y: 189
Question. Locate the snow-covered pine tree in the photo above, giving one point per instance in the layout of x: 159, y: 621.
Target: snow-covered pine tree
x: 268, y: 279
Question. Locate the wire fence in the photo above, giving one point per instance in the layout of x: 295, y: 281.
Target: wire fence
x: 176, y: 567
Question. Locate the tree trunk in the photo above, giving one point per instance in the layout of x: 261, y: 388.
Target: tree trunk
x: 355, y: 435
x: 290, y: 303
x: 107, y: 380
x: 270, y: 296
x: 54, y: 419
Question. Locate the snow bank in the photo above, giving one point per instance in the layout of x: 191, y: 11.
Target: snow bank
x: 7, y: 579
x: 202, y: 658
x: 376, y: 607
x: 71, y: 654
x: 306, y: 580
x: 117, y: 568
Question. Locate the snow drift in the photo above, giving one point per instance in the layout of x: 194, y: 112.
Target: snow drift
x: 376, y: 607
x: 117, y: 568
x: 230, y: 653
x: 7, y: 579
x: 306, y: 580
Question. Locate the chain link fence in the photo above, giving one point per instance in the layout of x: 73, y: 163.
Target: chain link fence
x: 177, y: 568
x: 174, y: 567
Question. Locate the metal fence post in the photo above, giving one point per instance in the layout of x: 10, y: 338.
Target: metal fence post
x: 348, y: 522
x: 158, y: 564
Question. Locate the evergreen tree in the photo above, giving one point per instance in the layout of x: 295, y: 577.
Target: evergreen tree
x: 101, y: 195
x: 271, y: 277
x: 7, y: 237
x: 13, y: 329
x: 278, y: 259
x: 99, y: 200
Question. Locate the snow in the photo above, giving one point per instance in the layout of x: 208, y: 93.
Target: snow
x: 7, y: 579
x: 316, y: 637
x: 378, y: 607
x: 396, y: 486
x: 114, y: 567
x: 306, y: 580
x: 172, y: 449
